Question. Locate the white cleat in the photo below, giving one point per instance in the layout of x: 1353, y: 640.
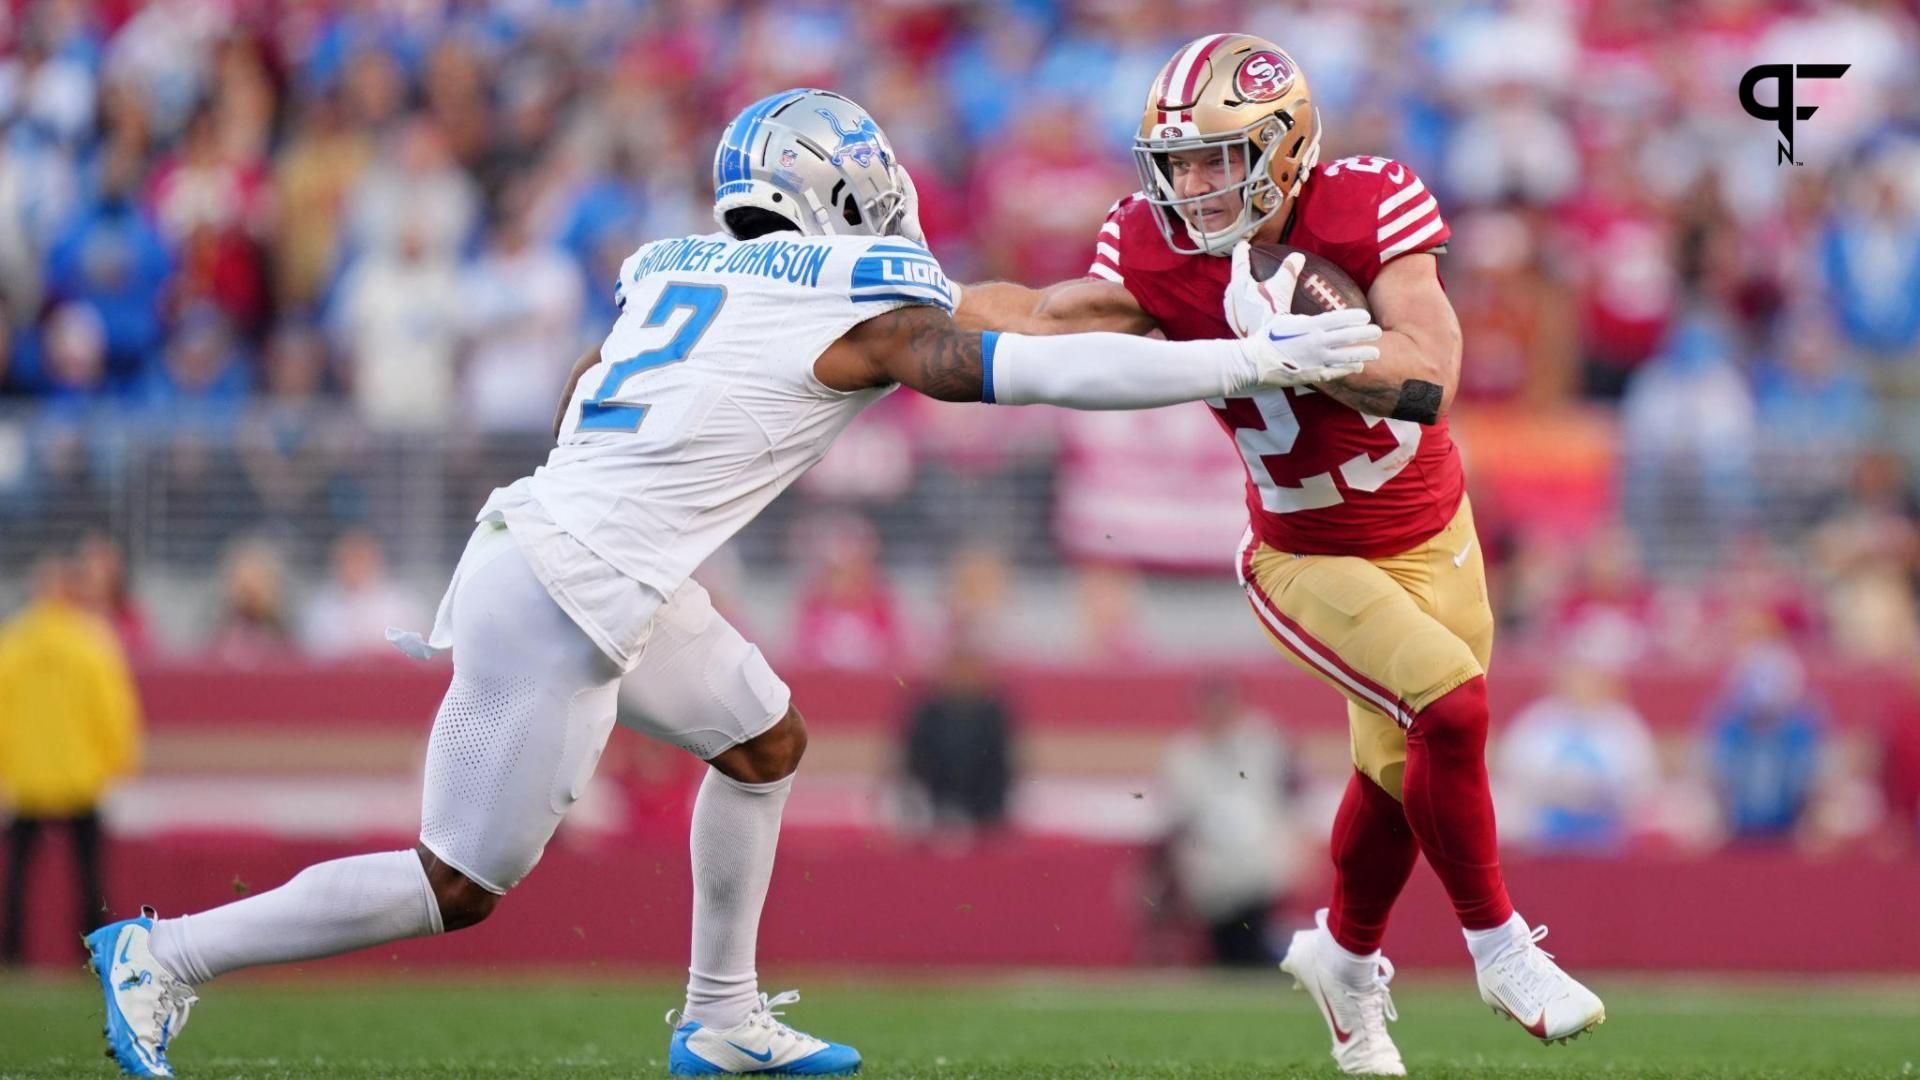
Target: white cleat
x: 145, y: 1005
x: 1522, y: 982
x: 759, y: 1044
x: 1356, y: 1015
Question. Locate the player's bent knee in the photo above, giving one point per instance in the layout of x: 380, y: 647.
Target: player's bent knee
x: 1458, y: 716
x: 462, y: 902
x: 768, y: 757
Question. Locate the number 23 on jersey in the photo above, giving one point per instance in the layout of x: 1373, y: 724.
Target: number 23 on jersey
x: 1265, y: 429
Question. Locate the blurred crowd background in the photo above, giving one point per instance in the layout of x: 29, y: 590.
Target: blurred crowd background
x: 286, y: 286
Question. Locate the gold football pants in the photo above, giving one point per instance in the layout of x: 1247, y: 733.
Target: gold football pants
x: 1393, y: 634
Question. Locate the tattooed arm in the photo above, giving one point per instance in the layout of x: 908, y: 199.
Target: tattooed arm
x: 916, y: 346
x: 1419, y: 365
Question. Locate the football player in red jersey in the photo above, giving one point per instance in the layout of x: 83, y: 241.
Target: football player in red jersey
x: 1360, y: 560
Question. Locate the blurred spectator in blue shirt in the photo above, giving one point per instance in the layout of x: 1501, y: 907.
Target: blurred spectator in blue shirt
x: 1688, y: 439
x: 1576, y: 767
x: 1871, y: 259
x: 1817, y: 412
x: 602, y: 225
x: 987, y: 76
x: 112, y: 257
x: 1765, y: 739
x: 201, y: 382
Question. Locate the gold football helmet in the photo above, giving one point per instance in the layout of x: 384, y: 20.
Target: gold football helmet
x: 1243, y: 98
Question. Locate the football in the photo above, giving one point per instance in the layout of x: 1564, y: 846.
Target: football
x: 1322, y: 286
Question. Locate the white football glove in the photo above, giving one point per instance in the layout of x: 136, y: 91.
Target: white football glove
x: 1250, y: 302
x: 1289, y: 349
x: 908, y: 222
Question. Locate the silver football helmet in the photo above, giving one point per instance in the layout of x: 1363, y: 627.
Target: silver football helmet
x: 816, y: 159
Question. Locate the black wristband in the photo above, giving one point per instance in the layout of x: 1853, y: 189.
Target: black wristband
x: 1419, y: 402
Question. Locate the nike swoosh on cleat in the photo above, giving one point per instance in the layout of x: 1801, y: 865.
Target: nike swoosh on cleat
x: 1537, y: 1029
x: 761, y: 1058
x: 1340, y: 1035
x: 126, y: 942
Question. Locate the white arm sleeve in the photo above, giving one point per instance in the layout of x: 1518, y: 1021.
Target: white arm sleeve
x: 1110, y: 371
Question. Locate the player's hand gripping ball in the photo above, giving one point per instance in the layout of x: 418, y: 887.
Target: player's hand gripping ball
x: 1307, y: 319
x: 1270, y: 279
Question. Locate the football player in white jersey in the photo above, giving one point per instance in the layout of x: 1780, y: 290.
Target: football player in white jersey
x: 737, y: 358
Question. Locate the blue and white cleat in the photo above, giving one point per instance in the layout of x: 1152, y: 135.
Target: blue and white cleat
x: 758, y: 1045
x: 146, y: 1005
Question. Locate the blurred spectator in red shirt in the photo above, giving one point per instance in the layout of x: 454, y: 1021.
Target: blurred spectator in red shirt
x: 209, y: 205
x: 1609, y: 606
x: 1040, y: 195
x: 1621, y: 243
x: 100, y: 578
x: 847, y: 617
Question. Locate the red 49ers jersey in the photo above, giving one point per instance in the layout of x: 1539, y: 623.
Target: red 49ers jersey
x: 1322, y: 478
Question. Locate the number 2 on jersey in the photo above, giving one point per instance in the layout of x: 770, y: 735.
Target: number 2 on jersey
x: 702, y: 303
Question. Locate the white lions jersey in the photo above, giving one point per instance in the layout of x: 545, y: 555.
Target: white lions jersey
x: 704, y: 406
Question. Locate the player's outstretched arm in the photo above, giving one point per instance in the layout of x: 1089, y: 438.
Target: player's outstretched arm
x: 1067, y: 307
x: 1419, y: 365
x: 921, y: 347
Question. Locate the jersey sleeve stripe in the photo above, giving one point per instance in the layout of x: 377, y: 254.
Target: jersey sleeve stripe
x: 1102, y: 270
x: 1111, y: 228
x: 1112, y: 253
x: 1397, y: 199
x: 931, y: 299
x: 1412, y: 240
x: 1399, y: 224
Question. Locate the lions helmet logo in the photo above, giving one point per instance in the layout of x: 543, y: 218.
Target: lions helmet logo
x: 1263, y: 76
x: 861, y: 142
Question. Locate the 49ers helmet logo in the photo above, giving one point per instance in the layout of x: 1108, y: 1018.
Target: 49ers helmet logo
x: 1263, y: 76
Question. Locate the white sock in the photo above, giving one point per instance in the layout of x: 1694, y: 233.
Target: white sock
x: 735, y: 830
x: 1486, y: 945
x: 1352, y: 968
x: 331, y: 907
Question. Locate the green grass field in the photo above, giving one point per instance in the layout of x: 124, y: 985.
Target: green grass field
x: 1111, y: 1028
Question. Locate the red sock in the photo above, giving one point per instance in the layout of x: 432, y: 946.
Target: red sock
x: 1450, y: 808
x: 1373, y: 855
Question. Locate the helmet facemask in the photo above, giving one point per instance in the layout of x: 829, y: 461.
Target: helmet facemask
x: 1238, y: 154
